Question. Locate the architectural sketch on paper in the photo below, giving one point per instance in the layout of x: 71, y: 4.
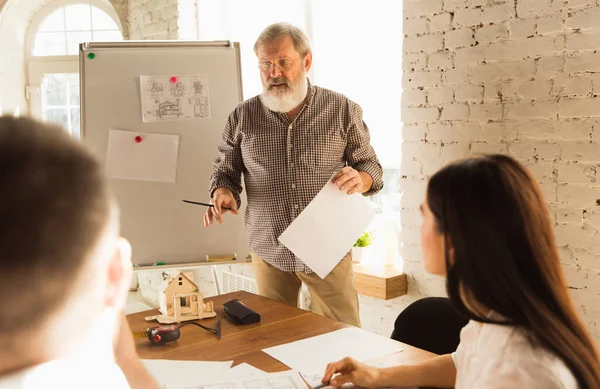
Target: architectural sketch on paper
x: 187, y: 98
x: 282, y: 380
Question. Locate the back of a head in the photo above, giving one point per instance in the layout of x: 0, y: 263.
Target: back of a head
x: 493, y: 215
x: 279, y: 30
x: 54, y: 206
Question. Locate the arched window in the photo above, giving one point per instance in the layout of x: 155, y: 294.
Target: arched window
x: 52, y: 55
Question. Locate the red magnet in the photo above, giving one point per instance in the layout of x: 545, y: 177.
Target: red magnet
x: 173, y: 79
x: 138, y: 139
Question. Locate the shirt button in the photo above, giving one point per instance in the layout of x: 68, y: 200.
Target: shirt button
x: 293, y: 186
x: 295, y: 206
x: 292, y: 164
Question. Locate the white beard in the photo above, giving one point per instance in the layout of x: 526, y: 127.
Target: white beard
x: 286, y: 99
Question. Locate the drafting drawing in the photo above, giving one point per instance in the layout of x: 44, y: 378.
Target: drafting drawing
x: 283, y: 380
x: 186, y: 98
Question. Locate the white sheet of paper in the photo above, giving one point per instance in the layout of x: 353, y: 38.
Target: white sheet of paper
x: 154, y: 158
x: 328, y: 228
x: 175, y: 97
x: 245, y: 371
x: 311, y: 355
x: 283, y: 380
x: 179, y: 374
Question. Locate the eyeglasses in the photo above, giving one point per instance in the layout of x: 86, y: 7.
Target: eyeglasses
x: 282, y: 64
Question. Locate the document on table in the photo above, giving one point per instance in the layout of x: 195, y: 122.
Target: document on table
x: 328, y: 228
x: 284, y: 380
x: 179, y: 374
x: 246, y: 371
x: 311, y: 356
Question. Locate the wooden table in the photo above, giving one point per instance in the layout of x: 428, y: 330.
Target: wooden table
x: 280, y: 323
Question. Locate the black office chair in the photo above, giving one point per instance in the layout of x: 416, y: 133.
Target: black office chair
x: 430, y: 324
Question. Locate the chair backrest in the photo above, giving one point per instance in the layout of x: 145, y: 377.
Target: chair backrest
x: 430, y: 324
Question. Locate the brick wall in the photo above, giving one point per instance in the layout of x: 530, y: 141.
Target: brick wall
x: 519, y: 77
x: 153, y: 19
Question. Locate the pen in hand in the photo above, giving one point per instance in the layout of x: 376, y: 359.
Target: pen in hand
x: 205, y: 204
x: 324, y: 384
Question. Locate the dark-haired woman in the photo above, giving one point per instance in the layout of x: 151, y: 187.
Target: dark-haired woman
x: 486, y: 229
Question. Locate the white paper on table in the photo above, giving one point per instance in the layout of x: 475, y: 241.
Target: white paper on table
x: 286, y: 379
x: 328, y: 228
x: 153, y: 158
x: 179, y: 374
x: 245, y: 371
x: 311, y: 355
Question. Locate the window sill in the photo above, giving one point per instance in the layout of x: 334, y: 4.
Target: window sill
x: 382, y: 282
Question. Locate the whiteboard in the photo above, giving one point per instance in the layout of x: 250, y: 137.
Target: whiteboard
x: 160, y: 227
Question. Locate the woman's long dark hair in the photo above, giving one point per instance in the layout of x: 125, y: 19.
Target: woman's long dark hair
x: 493, y: 215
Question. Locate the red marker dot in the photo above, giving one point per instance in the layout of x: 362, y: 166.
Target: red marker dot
x: 138, y: 139
x: 173, y: 79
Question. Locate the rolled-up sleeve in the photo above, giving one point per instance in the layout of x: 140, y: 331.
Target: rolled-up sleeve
x: 359, y: 152
x: 228, y: 166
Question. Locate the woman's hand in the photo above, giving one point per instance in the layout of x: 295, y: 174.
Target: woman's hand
x: 350, y: 370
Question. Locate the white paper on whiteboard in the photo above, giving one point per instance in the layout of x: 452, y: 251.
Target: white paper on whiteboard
x: 328, y: 228
x: 153, y: 158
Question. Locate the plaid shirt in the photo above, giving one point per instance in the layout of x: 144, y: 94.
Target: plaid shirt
x: 287, y: 162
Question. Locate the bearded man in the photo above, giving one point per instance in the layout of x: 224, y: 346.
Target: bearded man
x: 288, y: 142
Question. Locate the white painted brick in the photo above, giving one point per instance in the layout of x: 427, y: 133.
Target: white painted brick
x: 568, y: 215
x: 501, y: 92
x: 459, y: 38
x: 531, y: 150
x: 584, y: 19
x: 468, y: 56
x: 527, y: 8
x: 583, y: 41
x: 477, y: 3
x: 410, y: 235
x: 415, y: 26
x: 437, y: 96
x: 578, y: 195
x: 419, y: 8
x: 548, y: 67
x: 440, y: 60
x: 593, y: 220
x: 492, y: 33
x: 453, y: 151
x: 580, y: 151
x: 467, y: 17
x: 498, y: 12
x: 549, y: 24
x: 577, y: 173
x: 420, y: 115
x: 522, y: 28
x: 535, y: 89
x: 451, y: 132
x: 414, y: 61
x: 456, y: 76
x: 451, y: 5
x: 586, y: 259
x: 440, y: 22
x: 414, y: 132
x: 579, y: 107
x: 469, y: 93
x: 573, y: 4
x: 486, y: 112
x: 541, y: 109
x: 455, y: 111
x: 537, y: 130
x: 488, y: 148
x: 493, y: 72
x: 413, y: 97
x: 495, y: 132
x: 583, y: 62
x: 410, y: 165
x: 425, y: 43
x: 576, y: 129
x: 523, y: 48
x: 595, y: 84
x: 421, y: 79
x: 566, y: 85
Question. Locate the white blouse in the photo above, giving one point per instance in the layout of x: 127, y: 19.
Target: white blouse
x: 492, y: 356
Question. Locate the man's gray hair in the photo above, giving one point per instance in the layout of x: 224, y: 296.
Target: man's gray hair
x: 280, y: 30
